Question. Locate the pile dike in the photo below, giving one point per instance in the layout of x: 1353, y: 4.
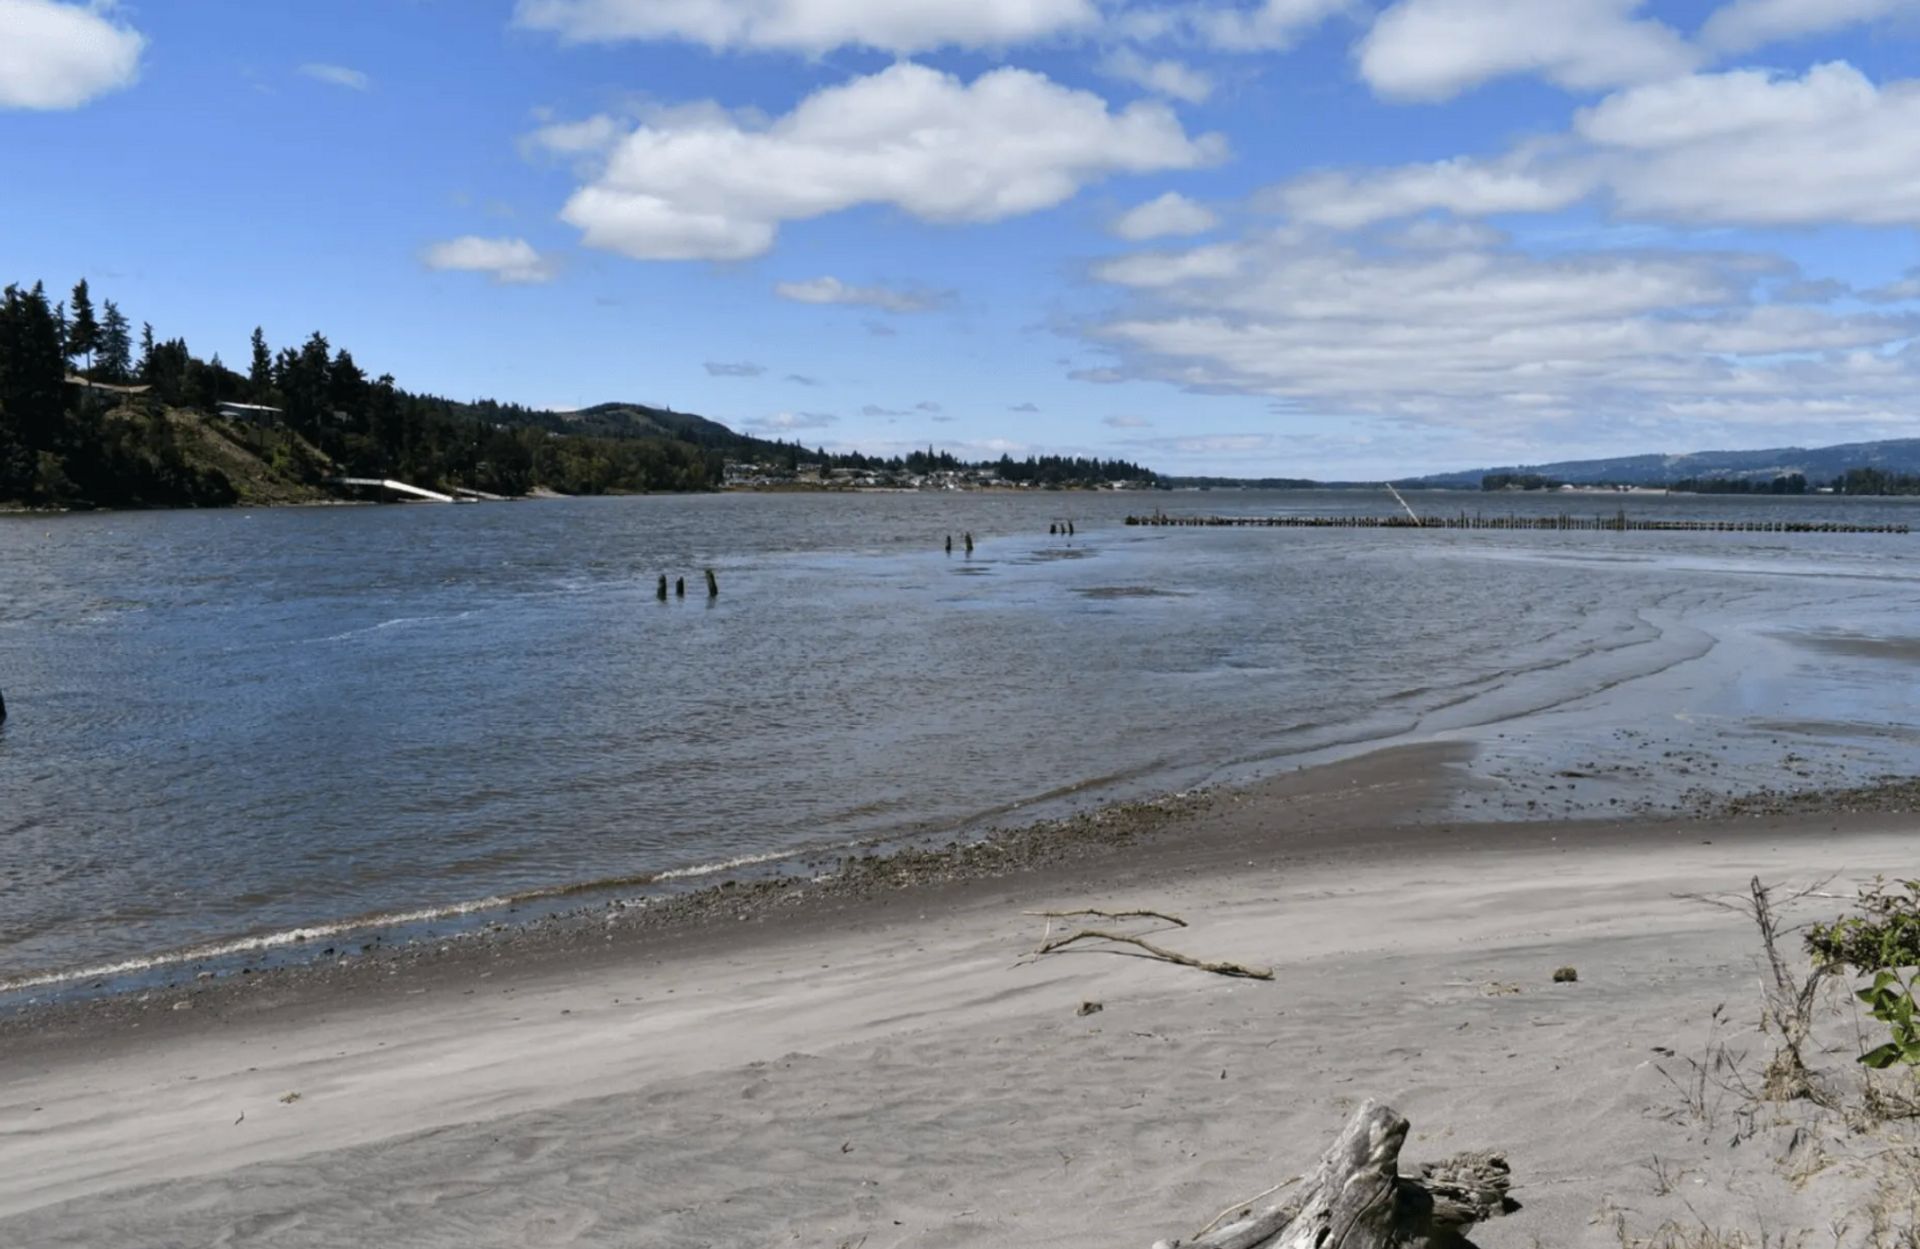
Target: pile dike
x: 1618, y: 523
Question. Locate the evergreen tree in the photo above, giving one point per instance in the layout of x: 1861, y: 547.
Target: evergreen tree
x: 302, y: 378
x: 32, y: 392
x: 116, y: 344
x: 260, y: 374
x: 146, y: 351
x: 346, y: 384
x: 83, y: 332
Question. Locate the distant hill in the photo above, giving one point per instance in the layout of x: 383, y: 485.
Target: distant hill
x: 638, y: 420
x: 1818, y: 465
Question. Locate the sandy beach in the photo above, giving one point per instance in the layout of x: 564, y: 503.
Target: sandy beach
x: 894, y: 1068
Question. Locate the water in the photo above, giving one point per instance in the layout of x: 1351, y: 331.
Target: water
x: 234, y: 723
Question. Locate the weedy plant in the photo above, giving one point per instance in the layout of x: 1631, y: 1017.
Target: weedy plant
x: 1890, y: 1000
x: 1881, y: 940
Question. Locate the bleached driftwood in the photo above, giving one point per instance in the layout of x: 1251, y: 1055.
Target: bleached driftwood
x: 1156, y: 951
x: 1049, y: 944
x: 1357, y: 1198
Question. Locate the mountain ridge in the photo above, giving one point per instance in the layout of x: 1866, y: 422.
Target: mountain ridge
x: 1816, y: 464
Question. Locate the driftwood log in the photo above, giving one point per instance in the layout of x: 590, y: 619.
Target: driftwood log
x: 1357, y: 1198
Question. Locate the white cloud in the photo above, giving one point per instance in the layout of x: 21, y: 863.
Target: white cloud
x: 699, y: 186
x: 1470, y: 187
x: 337, y: 75
x: 716, y: 368
x: 813, y: 26
x: 510, y: 260
x: 1745, y: 147
x: 577, y: 138
x: 1905, y: 289
x: 56, y: 56
x: 1171, y: 78
x: 1435, y: 49
x: 1171, y: 214
x: 1127, y: 422
x: 1747, y: 24
x: 1148, y: 270
x: 1431, y: 234
x: 1268, y: 26
x: 1739, y: 148
x: 1490, y: 347
x: 831, y: 290
x: 789, y: 422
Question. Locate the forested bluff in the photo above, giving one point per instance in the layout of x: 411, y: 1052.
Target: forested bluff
x: 93, y: 414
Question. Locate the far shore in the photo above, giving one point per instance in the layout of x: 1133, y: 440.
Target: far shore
x: 880, y: 1059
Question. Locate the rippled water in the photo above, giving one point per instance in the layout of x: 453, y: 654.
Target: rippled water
x: 235, y: 722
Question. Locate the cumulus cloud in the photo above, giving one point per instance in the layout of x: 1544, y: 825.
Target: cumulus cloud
x: 1745, y: 147
x: 1487, y: 344
x: 719, y: 368
x: 1747, y: 24
x: 1170, y: 214
x: 1748, y: 147
x: 57, y: 56
x: 1165, y: 269
x: 1435, y: 234
x: 337, y: 75
x: 831, y: 290
x: 511, y: 260
x: 1520, y: 183
x: 1436, y: 49
x: 698, y: 185
x: 1165, y: 77
x: 812, y: 26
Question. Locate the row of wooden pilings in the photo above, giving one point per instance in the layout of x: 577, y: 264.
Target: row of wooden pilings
x: 1620, y: 523
x: 680, y: 587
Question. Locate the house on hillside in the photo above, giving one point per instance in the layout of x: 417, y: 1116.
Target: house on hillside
x: 102, y: 394
x: 253, y: 413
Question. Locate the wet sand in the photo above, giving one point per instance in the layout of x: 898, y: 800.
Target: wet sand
x: 878, y: 1061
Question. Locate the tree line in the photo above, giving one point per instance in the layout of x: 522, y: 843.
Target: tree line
x: 61, y: 445
x: 1788, y: 483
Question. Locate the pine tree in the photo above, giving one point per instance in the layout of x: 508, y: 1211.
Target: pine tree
x: 32, y: 374
x: 146, y: 351
x: 116, y: 343
x: 260, y: 374
x: 83, y: 332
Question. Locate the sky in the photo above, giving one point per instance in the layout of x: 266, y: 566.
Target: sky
x: 1343, y: 239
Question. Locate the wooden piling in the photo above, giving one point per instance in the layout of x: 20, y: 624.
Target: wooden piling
x: 1620, y: 522
x: 661, y: 592
x: 713, y: 586
x: 680, y: 587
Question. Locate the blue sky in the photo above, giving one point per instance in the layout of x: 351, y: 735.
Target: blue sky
x: 1302, y: 237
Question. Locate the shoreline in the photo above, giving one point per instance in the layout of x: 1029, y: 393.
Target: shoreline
x: 859, y: 1022
x: 1399, y: 797
x: 1382, y: 789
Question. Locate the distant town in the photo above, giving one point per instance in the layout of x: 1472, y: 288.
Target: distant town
x: 761, y: 475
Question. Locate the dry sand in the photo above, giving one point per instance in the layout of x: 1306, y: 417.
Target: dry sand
x: 895, y: 1073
